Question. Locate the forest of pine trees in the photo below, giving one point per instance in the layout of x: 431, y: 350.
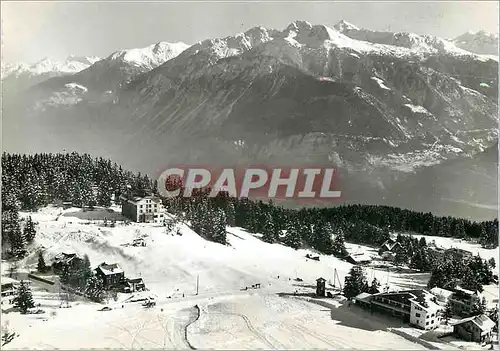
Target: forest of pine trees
x: 30, y: 182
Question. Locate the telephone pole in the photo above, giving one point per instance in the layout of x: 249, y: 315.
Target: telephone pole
x: 197, y: 283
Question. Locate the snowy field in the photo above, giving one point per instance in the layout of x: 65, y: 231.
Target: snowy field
x: 230, y: 316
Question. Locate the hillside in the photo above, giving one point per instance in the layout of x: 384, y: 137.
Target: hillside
x: 170, y: 265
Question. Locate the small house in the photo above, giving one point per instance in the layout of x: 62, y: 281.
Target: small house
x: 358, y: 259
x: 65, y: 260
x: 390, y: 245
x: 462, y: 301
x: 111, y: 274
x: 8, y: 286
x: 320, y: 286
x: 136, y: 284
x: 477, y: 328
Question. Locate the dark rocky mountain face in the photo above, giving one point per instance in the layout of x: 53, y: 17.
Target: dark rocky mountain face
x: 392, y: 118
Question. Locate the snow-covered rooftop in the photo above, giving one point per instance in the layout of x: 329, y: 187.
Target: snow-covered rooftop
x: 109, y: 269
x: 441, y: 292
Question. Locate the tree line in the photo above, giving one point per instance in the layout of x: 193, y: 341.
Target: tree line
x: 32, y: 181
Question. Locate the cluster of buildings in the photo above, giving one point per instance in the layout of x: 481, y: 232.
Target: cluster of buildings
x: 112, y: 275
x: 423, y: 309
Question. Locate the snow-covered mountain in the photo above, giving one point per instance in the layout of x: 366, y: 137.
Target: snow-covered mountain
x: 20, y: 76
x: 99, y: 81
x: 72, y: 64
x: 480, y: 42
x: 378, y: 105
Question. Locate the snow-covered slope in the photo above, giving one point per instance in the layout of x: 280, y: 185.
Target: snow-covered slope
x: 408, y: 42
x: 480, y: 42
x: 171, y: 265
x: 170, y: 262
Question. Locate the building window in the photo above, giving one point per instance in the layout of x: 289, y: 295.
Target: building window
x: 417, y: 314
x: 426, y: 323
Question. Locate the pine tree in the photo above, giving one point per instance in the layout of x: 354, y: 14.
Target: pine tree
x: 231, y: 214
x: 86, y: 270
x: 41, y: 266
x: 400, y: 258
x: 17, y: 241
x: 292, y: 238
x: 479, y: 307
x: 374, y: 287
x: 323, y: 238
x: 219, y: 228
x: 29, y: 230
x: 95, y: 289
x: 339, y: 249
x: 24, y: 298
x: 471, y: 281
x: 447, y: 312
x: 492, y: 263
x: 355, y: 282
x: 269, y: 230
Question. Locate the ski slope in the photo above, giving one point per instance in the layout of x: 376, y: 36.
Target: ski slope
x: 230, y: 317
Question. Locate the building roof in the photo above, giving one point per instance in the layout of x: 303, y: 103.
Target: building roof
x: 8, y: 280
x: 482, y: 321
x: 65, y: 258
x: 441, y: 292
x: 321, y: 279
x: 419, y: 297
x: 464, y: 291
x: 390, y: 244
x: 424, y: 301
x: 363, y: 296
x: 137, y: 199
x: 109, y: 269
x: 135, y: 280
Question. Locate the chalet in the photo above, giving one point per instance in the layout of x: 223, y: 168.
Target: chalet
x: 476, y: 328
x: 8, y: 286
x: 358, y: 258
x: 416, y: 307
x: 462, y: 301
x: 442, y: 295
x: 111, y: 274
x: 136, y: 284
x: 65, y: 260
x: 148, y: 209
x: 390, y: 245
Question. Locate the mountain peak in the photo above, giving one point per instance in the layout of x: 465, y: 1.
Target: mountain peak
x: 152, y: 55
x: 343, y: 26
x: 299, y: 25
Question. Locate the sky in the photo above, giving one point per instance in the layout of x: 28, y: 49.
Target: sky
x: 56, y: 29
